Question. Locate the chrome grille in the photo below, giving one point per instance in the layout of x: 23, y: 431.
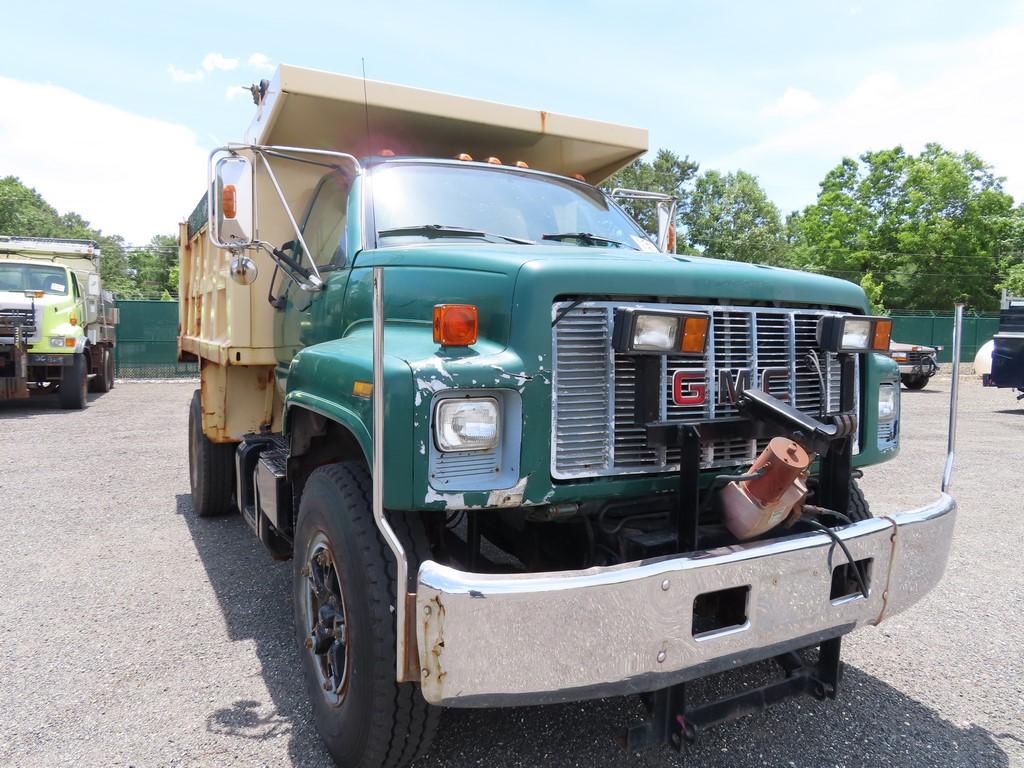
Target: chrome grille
x: 594, y: 433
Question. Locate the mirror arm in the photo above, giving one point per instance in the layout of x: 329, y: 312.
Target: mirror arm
x: 291, y: 269
x: 288, y: 211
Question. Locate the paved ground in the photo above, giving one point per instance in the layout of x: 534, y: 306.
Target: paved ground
x: 132, y: 633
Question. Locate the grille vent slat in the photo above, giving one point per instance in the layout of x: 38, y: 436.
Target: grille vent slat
x: 594, y: 432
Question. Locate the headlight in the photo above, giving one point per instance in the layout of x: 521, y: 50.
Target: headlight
x: 466, y: 424
x: 657, y: 333
x: 854, y: 333
x: 62, y: 341
x: 639, y: 331
x: 888, y: 402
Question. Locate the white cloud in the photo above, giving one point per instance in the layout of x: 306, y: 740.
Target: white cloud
x: 234, y: 91
x: 127, y: 174
x: 181, y: 76
x: 261, y: 61
x: 212, y: 61
x: 794, y: 103
x: 960, y: 95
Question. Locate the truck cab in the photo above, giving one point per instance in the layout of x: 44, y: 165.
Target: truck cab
x: 516, y: 448
x: 56, y: 326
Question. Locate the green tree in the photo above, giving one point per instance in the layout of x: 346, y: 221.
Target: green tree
x: 127, y: 272
x: 1013, y: 283
x: 729, y: 216
x: 930, y: 228
x: 666, y: 173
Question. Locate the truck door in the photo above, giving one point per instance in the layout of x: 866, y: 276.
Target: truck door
x: 304, y: 317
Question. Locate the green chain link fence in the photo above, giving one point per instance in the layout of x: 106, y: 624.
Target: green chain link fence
x: 935, y: 329
x: 147, y: 346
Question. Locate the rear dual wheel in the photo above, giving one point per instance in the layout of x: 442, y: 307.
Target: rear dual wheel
x: 211, y: 467
x: 103, y: 381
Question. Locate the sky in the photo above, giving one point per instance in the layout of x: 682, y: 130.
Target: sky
x: 109, y: 108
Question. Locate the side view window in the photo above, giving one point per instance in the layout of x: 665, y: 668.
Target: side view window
x: 324, y: 230
x: 74, y: 286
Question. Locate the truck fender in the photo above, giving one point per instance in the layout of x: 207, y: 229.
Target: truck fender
x: 321, y: 433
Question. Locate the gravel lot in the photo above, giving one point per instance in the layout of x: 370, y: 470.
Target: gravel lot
x: 132, y: 633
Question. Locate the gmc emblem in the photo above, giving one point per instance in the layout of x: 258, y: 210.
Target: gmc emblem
x: 689, y: 388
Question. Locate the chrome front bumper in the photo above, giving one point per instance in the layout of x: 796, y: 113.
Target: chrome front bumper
x: 489, y: 640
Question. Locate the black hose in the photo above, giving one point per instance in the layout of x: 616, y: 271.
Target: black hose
x: 842, y: 545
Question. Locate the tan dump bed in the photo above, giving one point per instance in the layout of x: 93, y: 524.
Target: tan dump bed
x: 310, y: 108
x: 231, y: 327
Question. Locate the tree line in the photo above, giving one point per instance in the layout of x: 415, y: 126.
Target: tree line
x: 148, y: 271
x: 917, y: 232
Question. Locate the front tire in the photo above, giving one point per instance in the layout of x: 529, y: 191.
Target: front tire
x: 211, y: 467
x: 858, y: 507
x: 915, y: 382
x: 74, y: 384
x: 344, y: 592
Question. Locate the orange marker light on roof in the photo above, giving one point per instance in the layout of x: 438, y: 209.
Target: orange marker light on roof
x: 880, y: 340
x: 695, y: 334
x: 463, y: 156
x: 494, y: 160
x: 228, y: 201
x: 521, y: 164
x: 387, y: 153
x: 455, y: 325
x: 579, y: 177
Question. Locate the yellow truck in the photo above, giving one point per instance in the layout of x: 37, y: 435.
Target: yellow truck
x: 57, y: 324
x: 517, y: 449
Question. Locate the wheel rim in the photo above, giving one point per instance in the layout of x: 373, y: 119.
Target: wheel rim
x: 326, y: 620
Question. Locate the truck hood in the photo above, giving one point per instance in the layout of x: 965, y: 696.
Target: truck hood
x: 569, y: 270
x: 18, y: 300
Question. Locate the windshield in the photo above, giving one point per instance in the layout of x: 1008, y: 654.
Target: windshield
x: 33, y: 277
x: 419, y: 202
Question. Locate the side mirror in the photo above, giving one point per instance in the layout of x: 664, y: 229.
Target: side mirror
x: 667, y: 225
x: 666, y: 207
x: 92, y: 287
x: 243, y: 269
x: 231, y: 203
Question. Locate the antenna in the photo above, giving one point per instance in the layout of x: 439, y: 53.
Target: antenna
x: 366, y: 108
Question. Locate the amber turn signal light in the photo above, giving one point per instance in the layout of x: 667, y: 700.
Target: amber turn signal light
x: 455, y: 325
x: 695, y: 334
x: 228, y: 201
x: 880, y: 339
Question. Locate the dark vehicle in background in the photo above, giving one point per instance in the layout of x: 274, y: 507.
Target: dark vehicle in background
x: 916, y: 361
x: 1008, y: 348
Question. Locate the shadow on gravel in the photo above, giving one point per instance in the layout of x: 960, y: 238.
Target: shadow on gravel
x: 871, y: 723
x: 36, y: 405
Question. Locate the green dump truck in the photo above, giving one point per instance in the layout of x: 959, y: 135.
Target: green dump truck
x: 516, y: 448
x: 57, y: 329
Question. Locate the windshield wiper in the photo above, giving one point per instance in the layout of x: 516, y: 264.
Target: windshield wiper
x: 584, y: 238
x: 442, y: 230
